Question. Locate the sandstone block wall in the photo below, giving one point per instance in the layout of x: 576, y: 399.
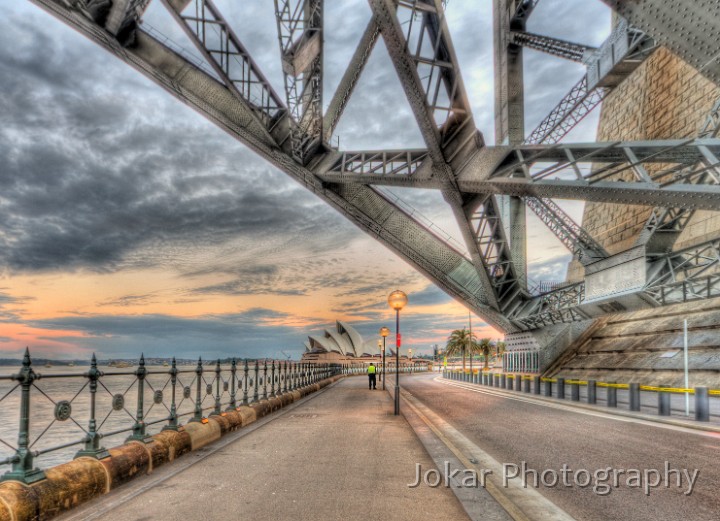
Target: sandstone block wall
x: 665, y: 98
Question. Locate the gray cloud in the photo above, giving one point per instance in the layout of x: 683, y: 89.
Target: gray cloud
x: 103, y: 181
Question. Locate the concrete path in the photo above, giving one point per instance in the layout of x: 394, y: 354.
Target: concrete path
x: 341, y: 454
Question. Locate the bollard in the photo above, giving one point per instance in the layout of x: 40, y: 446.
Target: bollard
x: 702, y: 404
x: 612, y: 396
x: 634, y: 397
x: 536, y: 384
x: 548, y: 388
x: 592, y: 392
x: 526, y: 385
x: 503, y: 381
x: 575, y: 392
x: 561, y: 388
x: 664, y: 402
x: 509, y: 382
x: 518, y: 382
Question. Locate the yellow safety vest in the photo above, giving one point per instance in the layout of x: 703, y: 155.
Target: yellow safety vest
x: 371, y: 369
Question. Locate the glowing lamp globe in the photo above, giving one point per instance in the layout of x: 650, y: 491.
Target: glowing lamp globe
x: 397, y: 300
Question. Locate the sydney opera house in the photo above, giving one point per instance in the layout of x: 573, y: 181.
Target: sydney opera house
x: 346, y: 346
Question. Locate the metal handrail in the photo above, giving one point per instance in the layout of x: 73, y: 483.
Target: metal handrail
x: 211, y: 391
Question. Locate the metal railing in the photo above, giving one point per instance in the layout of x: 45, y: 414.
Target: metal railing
x: 361, y: 368
x: 634, y: 395
x: 58, y: 412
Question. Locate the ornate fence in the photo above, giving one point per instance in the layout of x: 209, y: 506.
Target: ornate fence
x: 60, y: 412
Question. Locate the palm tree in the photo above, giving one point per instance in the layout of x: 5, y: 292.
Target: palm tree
x: 499, y: 348
x: 461, y: 342
x: 485, y: 346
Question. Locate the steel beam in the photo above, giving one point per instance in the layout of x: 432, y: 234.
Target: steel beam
x: 122, y: 20
x: 438, y: 100
x: 349, y: 80
x: 572, y: 235
x: 554, y: 46
x: 571, y: 110
x: 300, y: 33
x: 689, y: 29
x: 623, y: 51
x: 215, y: 39
x: 363, y: 206
x: 509, y: 90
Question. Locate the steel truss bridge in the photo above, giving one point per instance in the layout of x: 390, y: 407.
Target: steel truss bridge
x: 487, y: 187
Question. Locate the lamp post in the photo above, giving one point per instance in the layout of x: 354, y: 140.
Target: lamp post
x: 380, y: 349
x: 397, y: 300
x: 384, y: 332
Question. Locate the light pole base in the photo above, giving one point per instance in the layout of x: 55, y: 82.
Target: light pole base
x: 397, y: 400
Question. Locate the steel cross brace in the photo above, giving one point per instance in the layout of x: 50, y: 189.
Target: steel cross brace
x: 366, y: 208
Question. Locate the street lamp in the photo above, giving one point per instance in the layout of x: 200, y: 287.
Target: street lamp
x: 397, y: 300
x: 384, y: 332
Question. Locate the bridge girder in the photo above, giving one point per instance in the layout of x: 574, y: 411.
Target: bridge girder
x: 484, y: 186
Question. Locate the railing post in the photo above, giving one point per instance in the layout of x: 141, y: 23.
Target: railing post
x: 233, y: 370
x: 592, y: 392
x: 634, y: 390
x: 245, y: 383
x: 139, y: 433
x: 284, y: 376
x: 272, y: 376
x: 217, y: 409
x: 264, y: 379
x: 22, y: 468
x: 256, y: 396
x: 173, y: 423
x: 198, y: 416
x: 92, y: 440
x: 702, y: 404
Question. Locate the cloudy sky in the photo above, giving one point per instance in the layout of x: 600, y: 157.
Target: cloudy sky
x: 129, y: 223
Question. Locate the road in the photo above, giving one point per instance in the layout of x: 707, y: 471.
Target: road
x: 512, y: 431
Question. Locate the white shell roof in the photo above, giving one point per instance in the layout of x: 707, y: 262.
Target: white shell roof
x: 346, y: 341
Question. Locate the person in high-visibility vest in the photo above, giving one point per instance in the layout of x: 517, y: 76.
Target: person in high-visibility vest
x: 371, y: 377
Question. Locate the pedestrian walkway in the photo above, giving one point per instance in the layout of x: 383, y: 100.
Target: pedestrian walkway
x: 340, y: 454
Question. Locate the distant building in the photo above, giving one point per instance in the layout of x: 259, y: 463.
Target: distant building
x: 346, y: 346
